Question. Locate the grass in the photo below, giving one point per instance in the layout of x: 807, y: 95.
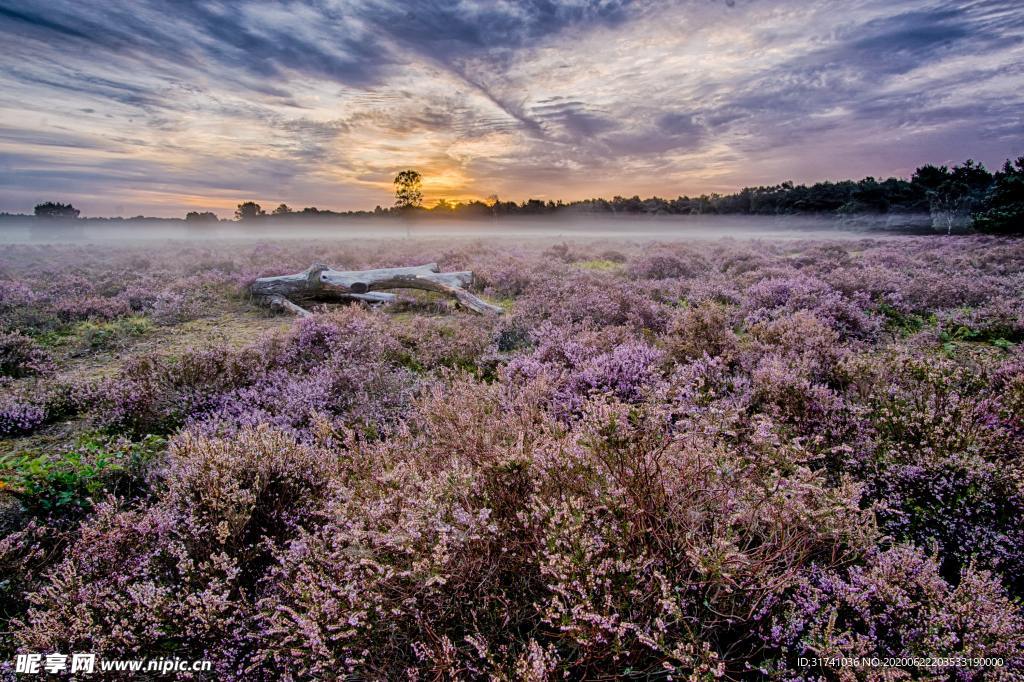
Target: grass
x: 105, y: 336
x: 96, y: 336
x: 599, y: 264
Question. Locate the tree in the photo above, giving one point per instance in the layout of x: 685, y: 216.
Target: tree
x: 955, y: 197
x: 929, y: 177
x: 52, y: 209
x: 949, y: 205
x: 1002, y: 209
x: 408, y: 189
x: 248, y: 211
x: 283, y: 209
x: 869, y: 196
x: 204, y: 217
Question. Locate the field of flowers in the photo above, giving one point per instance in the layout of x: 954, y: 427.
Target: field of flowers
x: 676, y: 460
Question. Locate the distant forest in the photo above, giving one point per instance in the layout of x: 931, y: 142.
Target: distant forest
x: 959, y: 198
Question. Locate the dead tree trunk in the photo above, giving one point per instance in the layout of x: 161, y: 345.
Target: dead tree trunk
x: 319, y: 282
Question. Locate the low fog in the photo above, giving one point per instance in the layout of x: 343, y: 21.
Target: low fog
x: 627, y: 228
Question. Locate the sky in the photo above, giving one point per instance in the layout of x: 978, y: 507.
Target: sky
x: 128, y: 107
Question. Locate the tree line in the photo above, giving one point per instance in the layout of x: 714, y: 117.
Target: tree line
x: 957, y: 198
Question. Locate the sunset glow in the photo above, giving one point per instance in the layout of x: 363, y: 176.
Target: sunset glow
x: 131, y: 107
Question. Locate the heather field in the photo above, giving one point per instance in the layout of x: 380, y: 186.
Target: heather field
x: 668, y: 460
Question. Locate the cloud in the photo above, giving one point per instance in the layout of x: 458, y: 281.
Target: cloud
x: 324, y: 100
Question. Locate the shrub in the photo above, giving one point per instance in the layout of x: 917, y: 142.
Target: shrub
x: 180, y: 573
x: 588, y: 297
x: 435, y: 343
x: 21, y: 356
x: 522, y: 545
x: 503, y: 280
x: 701, y: 329
x: 667, y: 265
x: 899, y: 606
x: 171, y: 307
x: 96, y: 308
x: 23, y: 309
x: 943, y: 470
x: 570, y: 369
x: 155, y: 394
x: 365, y: 395
x: 131, y: 586
x: 999, y: 322
x: 18, y: 416
x: 773, y: 297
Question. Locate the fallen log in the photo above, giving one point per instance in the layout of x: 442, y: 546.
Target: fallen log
x: 277, y: 302
x: 319, y: 282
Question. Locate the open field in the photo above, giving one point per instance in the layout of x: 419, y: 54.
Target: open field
x: 702, y: 458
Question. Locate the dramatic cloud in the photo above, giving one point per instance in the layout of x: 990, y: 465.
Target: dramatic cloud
x: 139, y: 106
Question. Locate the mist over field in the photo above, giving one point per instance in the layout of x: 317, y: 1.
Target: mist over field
x: 672, y: 228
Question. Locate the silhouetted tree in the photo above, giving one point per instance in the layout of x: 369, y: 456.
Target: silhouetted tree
x: 929, y: 177
x: 408, y: 189
x: 953, y: 200
x: 283, y: 209
x: 204, y: 217
x: 474, y: 209
x: 52, y: 209
x: 1002, y: 209
x: 248, y: 210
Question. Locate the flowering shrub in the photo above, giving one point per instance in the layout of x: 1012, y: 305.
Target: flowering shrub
x: 571, y: 369
x: 365, y: 395
x: 666, y: 265
x: 179, y: 571
x: 699, y: 461
x: 432, y: 343
x: 772, y: 297
x: 90, y: 308
x: 703, y: 329
x: 517, y: 539
x: 1000, y: 322
x: 943, y: 473
x: 899, y: 606
x: 504, y: 279
x: 170, y: 307
x: 18, y: 306
x: 21, y: 356
x: 153, y: 394
x: 589, y: 297
x: 18, y: 416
